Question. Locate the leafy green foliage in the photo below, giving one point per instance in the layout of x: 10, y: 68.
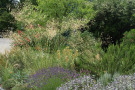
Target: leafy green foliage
x: 113, y: 18
x: 58, y: 9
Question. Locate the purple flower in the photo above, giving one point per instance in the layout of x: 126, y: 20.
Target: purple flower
x: 42, y: 76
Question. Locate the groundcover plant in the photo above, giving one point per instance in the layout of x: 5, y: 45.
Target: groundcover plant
x: 122, y: 82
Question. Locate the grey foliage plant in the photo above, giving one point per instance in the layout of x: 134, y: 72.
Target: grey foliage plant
x: 123, y: 82
x: 82, y: 83
x: 120, y: 82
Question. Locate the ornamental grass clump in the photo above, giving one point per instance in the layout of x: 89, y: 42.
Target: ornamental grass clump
x: 50, y: 78
x: 67, y: 57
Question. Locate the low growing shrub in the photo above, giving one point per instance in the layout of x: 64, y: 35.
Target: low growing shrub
x: 122, y: 82
x: 50, y: 78
x: 81, y: 83
x: 119, y: 59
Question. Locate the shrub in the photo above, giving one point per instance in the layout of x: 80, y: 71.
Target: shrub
x: 89, y: 51
x: 81, y: 83
x: 35, y: 39
x: 129, y: 37
x: 29, y: 14
x: 50, y: 78
x: 112, y: 19
x: 119, y: 59
x: 123, y: 82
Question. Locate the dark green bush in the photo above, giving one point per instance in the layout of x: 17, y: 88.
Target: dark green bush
x: 6, y: 20
x: 112, y: 19
x: 119, y: 59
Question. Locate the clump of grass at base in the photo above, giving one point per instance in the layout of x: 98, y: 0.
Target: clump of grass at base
x: 30, y: 59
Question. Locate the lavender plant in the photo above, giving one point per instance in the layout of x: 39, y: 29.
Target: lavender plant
x: 50, y: 78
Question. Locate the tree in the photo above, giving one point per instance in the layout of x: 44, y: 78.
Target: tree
x: 6, y: 19
x: 112, y: 19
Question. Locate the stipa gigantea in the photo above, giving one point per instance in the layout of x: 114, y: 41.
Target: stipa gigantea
x: 58, y: 54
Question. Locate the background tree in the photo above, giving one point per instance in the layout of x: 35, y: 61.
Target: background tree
x: 112, y: 19
x: 6, y: 19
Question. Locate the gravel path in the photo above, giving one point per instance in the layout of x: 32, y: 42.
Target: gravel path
x: 1, y: 88
x: 5, y: 45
